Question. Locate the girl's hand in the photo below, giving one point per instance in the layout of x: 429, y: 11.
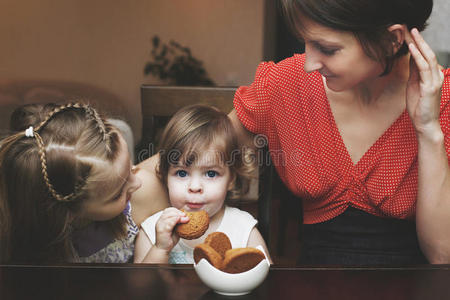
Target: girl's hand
x: 166, y: 238
x: 423, y: 92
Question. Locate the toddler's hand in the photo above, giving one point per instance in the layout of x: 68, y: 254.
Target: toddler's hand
x: 166, y: 238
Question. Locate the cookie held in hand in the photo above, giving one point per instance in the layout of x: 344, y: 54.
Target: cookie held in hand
x: 196, y: 227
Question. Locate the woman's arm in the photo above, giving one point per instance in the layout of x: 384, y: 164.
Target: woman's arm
x: 245, y: 137
x: 433, y: 198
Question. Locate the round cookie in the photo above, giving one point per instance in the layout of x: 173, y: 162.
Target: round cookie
x: 196, y: 227
x: 239, y: 260
x: 207, y: 252
x: 219, y: 241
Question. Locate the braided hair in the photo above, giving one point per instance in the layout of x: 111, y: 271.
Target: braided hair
x: 99, y: 123
x: 46, y: 170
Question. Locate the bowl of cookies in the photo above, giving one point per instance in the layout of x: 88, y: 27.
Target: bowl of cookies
x: 227, y: 271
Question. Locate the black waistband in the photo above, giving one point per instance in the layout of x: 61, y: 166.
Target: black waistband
x: 357, y: 237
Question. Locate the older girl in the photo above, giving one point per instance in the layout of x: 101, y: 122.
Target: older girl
x: 67, y: 185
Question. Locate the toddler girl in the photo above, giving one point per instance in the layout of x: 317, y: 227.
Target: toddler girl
x: 201, y: 165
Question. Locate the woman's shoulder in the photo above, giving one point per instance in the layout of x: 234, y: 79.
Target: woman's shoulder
x: 294, y: 65
x: 152, y: 196
x: 295, y: 61
x: 290, y: 73
x: 287, y: 67
x: 287, y: 76
x: 445, y: 98
x: 446, y: 85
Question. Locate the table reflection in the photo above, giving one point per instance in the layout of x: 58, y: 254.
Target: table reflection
x: 181, y: 282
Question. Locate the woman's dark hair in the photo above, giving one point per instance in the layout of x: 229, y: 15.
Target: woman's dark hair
x: 368, y: 20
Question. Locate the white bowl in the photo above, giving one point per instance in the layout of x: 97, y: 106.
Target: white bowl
x: 232, y: 284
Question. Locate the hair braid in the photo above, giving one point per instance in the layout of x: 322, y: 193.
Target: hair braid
x: 57, y: 110
x: 92, y: 113
x: 50, y: 187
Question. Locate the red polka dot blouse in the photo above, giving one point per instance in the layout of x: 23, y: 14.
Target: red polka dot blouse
x: 290, y: 107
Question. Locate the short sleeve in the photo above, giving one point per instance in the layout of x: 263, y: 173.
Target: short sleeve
x: 445, y: 111
x: 237, y: 225
x: 253, y: 102
x: 149, y: 226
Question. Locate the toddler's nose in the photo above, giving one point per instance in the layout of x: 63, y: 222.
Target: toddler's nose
x: 195, y: 186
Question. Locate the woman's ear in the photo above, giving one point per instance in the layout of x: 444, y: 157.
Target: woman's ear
x: 398, y: 32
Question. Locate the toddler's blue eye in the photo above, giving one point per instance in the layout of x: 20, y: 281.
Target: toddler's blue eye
x: 181, y: 173
x: 211, y: 174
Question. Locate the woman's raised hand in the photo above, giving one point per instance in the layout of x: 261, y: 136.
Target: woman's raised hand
x: 424, y: 86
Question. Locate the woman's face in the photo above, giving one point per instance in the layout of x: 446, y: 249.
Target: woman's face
x: 338, y: 57
x: 110, y: 198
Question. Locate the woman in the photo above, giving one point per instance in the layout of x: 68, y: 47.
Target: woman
x: 363, y: 130
x: 68, y: 191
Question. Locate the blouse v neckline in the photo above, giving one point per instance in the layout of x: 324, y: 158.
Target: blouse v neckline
x: 366, y: 157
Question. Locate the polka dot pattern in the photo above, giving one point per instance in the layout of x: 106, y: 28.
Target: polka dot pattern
x: 290, y: 107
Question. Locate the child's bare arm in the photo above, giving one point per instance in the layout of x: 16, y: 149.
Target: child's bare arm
x: 166, y: 238
x: 256, y: 239
x: 155, y: 255
x: 141, y: 246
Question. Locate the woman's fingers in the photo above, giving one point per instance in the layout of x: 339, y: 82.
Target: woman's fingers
x: 420, y: 63
x: 413, y: 71
x: 424, y: 48
x: 425, y: 58
x: 425, y: 82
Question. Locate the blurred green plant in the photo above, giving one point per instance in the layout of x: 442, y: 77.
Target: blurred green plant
x: 175, y: 65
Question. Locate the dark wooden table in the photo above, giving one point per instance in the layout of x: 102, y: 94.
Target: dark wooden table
x: 181, y: 282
